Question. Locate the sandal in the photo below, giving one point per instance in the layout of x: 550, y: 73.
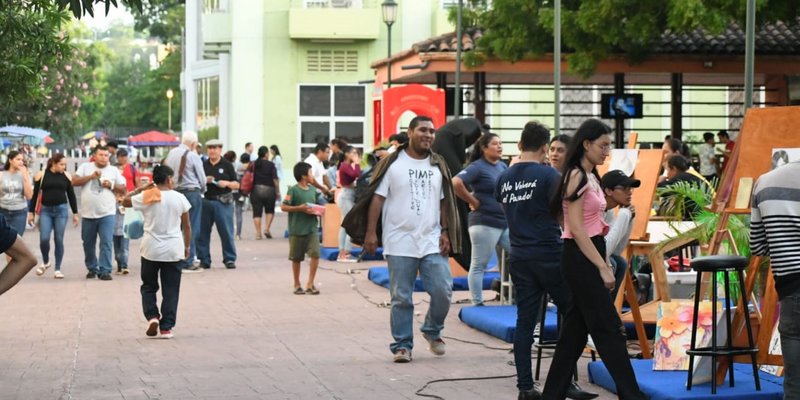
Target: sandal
x: 312, y: 290
x: 268, y: 235
x: 42, y: 268
x: 299, y: 290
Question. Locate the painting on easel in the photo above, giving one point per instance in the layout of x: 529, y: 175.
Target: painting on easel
x: 774, y: 349
x: 784, y: 156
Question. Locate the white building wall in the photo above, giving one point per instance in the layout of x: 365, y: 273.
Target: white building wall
x: 247, y: 74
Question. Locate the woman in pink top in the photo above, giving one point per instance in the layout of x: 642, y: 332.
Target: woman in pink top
x: 349, y: 171
x: 586, y: 269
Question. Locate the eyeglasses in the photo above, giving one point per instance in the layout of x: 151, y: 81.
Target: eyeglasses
x: 606, y: 148
x: 623, y: 188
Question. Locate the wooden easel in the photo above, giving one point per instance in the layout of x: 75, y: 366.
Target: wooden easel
x: 763, y: 130
x: 647, y: 169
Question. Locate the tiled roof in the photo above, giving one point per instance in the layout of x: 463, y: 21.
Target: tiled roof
x: 773, y: 39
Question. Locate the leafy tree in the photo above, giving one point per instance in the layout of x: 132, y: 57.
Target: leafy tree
x: 136, y: 95
x: 592, y: 30
x: 163, y: 19
x: 80, y: 8
x: 32, y: 39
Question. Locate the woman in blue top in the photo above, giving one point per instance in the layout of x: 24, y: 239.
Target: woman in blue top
x: 487, y: 223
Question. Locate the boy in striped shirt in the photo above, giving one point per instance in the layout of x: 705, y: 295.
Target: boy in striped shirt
x: 775, y: 232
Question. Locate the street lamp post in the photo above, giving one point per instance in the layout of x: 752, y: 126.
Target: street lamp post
x: 389, y: 8
x: 170, y: 94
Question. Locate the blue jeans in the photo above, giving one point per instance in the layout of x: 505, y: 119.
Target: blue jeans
x: 435, y: 273
x: 789, y: 329
x: 196, y: 201
x: 620, y: 265
x: 484, y: 241
x: 531, y: 280
x: 346, y: 200
x: 90, y: 229
x: 220, y: 214
x: 17, y: 219
x: 121, y: 251
x: 53, y: 219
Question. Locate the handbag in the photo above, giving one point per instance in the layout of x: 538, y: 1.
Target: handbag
x: 247, y: 181
x: 38, y: 209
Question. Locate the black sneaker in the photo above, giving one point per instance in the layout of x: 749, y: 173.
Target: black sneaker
x: 104, y: 277
x: 91, y: 275
x: 204, y: 266
x: 531, y: 394
x: 230, y: 265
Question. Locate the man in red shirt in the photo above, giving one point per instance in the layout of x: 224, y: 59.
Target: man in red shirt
x: 729, y: 144
x: 127, y: 170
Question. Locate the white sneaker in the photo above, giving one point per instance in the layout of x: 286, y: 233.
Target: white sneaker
x: 58, y: 275
x: 42, y: 268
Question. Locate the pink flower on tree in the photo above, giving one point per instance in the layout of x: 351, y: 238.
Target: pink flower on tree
x: 84, y: 86
x: 68, y: 67
x: 45, y: 69
x: 49, y: 113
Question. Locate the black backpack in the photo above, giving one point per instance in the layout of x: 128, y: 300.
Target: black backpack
x: 362, y: 183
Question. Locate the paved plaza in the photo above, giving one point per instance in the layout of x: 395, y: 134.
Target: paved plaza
x: 240, y: 334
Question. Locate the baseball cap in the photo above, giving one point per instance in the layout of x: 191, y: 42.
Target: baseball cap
x: 616, y: 178
x: 214, y: 142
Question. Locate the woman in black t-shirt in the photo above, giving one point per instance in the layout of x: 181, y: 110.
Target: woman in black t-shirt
x: 54, y: 186
x: 265, y: 180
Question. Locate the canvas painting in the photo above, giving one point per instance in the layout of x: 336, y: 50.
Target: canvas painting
x: 624, y: 160
x: 783, y: 156
x: 674, y: 333
x: 774, y: 348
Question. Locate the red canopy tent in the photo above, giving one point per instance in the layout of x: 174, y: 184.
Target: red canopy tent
x: 153, y: 138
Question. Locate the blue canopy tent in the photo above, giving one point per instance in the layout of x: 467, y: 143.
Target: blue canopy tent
x: 10, y: 133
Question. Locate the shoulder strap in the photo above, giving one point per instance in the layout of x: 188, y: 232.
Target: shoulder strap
x: 182, y: 168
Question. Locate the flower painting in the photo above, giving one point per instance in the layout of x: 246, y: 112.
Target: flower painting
x: 674, y: 333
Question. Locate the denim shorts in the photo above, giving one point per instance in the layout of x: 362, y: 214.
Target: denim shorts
x: 8, y: 235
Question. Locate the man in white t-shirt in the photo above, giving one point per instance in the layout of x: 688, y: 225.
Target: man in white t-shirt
x: 708, y: 157
x: 99, y: 181
x: 316, y: 160
x: 410, y: 202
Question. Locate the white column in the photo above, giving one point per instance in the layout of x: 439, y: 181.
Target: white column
x: 191, y: 53
x: 246, y: 65
x: 224, y: 99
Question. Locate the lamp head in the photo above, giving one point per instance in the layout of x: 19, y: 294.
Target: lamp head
x: 389, y: 9
x: 170, y: 94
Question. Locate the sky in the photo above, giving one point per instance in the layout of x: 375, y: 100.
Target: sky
x: 101, y: 22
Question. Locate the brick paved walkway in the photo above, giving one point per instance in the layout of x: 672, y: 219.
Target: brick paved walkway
x: 240, y: 334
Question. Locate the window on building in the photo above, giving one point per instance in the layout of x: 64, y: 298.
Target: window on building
x: 333, y: 3
x: 454, y: 3
x: 330, y: 111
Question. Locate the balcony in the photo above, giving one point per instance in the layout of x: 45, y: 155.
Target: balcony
x: 334, y: 20
x: 216, y: 24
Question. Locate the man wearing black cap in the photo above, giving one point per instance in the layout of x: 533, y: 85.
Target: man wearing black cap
x: 618, y: 189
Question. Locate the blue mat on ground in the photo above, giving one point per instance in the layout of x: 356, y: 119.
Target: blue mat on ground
x: 331, y: 253
x: 671, y: 385
x: 380, y: 277
x: 501, y: 321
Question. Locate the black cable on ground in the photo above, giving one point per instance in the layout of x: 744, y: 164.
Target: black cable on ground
x: 479, y: 378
